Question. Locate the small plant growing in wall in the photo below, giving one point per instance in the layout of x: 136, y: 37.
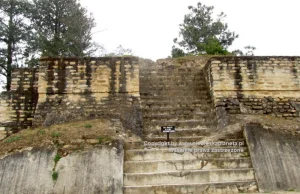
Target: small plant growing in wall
x: 54, y: 175
x: 54, y: 172
x: 56, y: 159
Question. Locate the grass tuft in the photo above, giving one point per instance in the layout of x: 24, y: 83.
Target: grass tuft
x: 57, y: 158
x: 54, y: 175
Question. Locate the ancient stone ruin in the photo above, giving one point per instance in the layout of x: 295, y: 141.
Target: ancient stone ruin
x: 200, y: 96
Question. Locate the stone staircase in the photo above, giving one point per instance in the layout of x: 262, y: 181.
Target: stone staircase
x: 178, y: 96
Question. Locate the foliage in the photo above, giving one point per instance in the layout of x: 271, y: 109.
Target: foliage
x: 121, y: 51
x: 63, y: 28
x: 16, y: 37
x: 54, y: 175
x: 249, y: 51
x: 57, y: 158
x: 13, y: 139
x: 177, y: 52
x: 201, y: 34
x: 88, y: 126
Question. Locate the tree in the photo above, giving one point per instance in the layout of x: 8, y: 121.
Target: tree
x: 249, y: 51
x: 201, y: 34
x: 15, y: 33
x: 121, y: 51
x: 63, y: 28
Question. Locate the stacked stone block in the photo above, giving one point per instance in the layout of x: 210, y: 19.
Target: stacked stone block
x: 21, y: 101
x: 77, y: 89
x: 264, y: 85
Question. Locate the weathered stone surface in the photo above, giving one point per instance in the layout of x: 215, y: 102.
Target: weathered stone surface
x: 275, y: 158
x: 252, y: 80
x: 99, y: 170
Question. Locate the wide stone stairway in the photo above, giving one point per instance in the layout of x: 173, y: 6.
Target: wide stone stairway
x: 178, y: 96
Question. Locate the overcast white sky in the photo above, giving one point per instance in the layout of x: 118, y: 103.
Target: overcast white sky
x: 148, y: 27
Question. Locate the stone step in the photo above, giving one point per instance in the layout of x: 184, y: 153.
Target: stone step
x: 169, y: 114
x: 177, y: 92
x: 155, y: 97
x: 172, y: 101
x: 154, y: 81
x: 163, y: 75
x: 174, y: 78
x: 163, y: 137
x: 180, y: 88
x: 165, y: 110
x: 188, y: 177
x: 180, y: 125
x: 179, y: 142
x: 180, y: 165
x: 200, y: 131
x: 206, y: 188
x: 174, y: 106
x: 163, y: 153
x: 177, y: 139
x: 147, y: 117
x: 171, y: 81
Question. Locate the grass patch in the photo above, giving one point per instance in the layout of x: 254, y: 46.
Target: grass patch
x: 41, y: 132
x: 87, y: 126
x: 54, y: 175
x: 55, y: 134
x: 103, y: 139
x: 13, y: 139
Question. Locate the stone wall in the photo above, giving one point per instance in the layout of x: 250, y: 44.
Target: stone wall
x: 275, y: 158
x: 266, y: 85
x: 18, y: 105
x: 5, y: 113
x: 97, y: 170
x: 78, y: 89
x: 66, y: 89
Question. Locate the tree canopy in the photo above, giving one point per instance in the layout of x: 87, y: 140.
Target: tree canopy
x: 15, y: 35
x: 201, y: 34
x: 63, y: 27
x: 31, y: 28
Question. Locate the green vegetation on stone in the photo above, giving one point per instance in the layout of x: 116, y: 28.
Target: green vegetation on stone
x: 13, y: 139
x: 104, y: 139
x: 57, y: 158
x: 54, y: 175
